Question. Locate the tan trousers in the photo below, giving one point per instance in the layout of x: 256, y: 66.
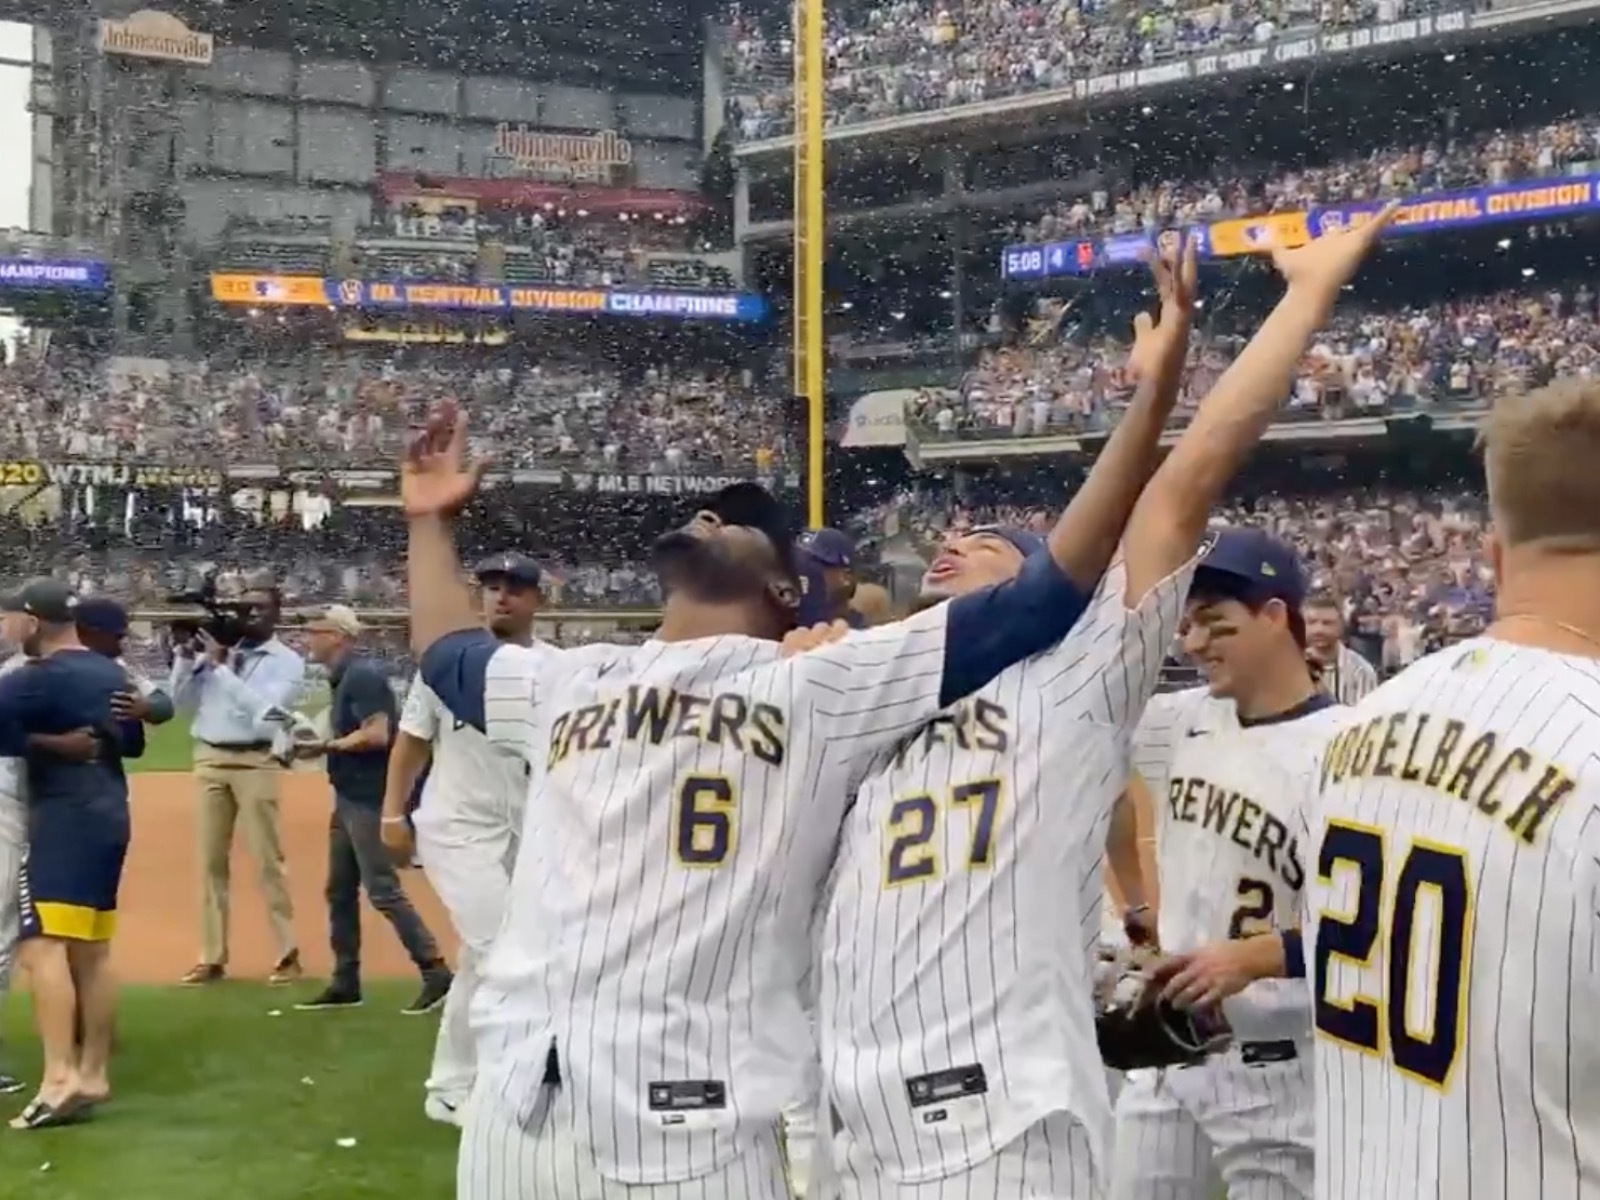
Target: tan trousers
x: 239, y: 788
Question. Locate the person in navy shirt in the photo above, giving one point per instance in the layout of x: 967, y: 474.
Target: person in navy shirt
x: 57, y: 714
x: 826, y: 558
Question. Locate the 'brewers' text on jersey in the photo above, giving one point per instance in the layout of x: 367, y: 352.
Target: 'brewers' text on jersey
x: 960, y: 941
x: 686, y: 801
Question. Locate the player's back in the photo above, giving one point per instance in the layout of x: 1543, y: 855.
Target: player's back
x: 1452, y: 914
x: 958, y: 948
x: 682, y: 815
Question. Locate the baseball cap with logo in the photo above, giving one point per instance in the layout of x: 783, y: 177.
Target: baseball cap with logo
x: 830, y: 547
x: 1250, y: 562
x: 336, y: 618
x: 512, y: 567
x: 49, y: 600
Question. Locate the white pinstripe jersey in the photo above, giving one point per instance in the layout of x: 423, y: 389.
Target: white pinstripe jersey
x: 956, y: 1007
x: 1350, y: 678
x: 683, y: 816
x: 13, y: 780
x: 469, y: 773
x: 1231, y: 851
x: 1451, y: 932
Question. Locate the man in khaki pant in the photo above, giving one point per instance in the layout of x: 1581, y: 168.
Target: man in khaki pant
x: 230, y: 690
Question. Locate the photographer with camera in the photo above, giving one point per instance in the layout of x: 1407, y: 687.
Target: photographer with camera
x: 230, y: 670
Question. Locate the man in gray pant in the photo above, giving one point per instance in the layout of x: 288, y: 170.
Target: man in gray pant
x: 362, y: 721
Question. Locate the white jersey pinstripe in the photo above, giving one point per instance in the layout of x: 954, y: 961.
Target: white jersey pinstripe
x: 468, y: 772
x: 1350, y: 678
x: 957, y: 963
x: 1451, y: 934
x: 13, y: 845
x: 685, y: 811
x: 1231, y: 855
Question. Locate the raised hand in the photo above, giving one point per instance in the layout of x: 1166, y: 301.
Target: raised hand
x: 1158, y: 340
x: 1327, y: 263
x: 437, y: 479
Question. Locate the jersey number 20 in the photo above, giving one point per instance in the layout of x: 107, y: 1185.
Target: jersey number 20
x: 1424, y: 1048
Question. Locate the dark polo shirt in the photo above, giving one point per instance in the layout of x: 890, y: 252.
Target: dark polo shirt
x: 360, y: 690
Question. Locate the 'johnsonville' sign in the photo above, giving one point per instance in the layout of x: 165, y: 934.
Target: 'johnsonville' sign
x: 590, y: 157
x: 159, y: 36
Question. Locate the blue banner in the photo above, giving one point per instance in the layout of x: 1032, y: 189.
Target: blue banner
x: 310, y: 291
x: 1533, y: 200
x: 78, y: 274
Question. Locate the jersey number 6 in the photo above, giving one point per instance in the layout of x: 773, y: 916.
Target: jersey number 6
x: 704, y: 826
x: 1423, y: 1046
x: 913, y: 821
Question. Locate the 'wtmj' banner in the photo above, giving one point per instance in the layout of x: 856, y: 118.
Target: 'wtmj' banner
x: 78, y: 274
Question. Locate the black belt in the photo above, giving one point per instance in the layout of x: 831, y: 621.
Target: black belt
x: 1254, y: 1054
x: 238, y: 747
x: 1258, y: 1054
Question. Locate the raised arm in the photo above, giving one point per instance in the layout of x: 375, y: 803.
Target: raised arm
x: 436, y: 482
x: 1086, y: 536
x: 1171, y: 513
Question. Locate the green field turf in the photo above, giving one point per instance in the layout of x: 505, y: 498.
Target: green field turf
x: 215, y: 1097
x: 170, y: 748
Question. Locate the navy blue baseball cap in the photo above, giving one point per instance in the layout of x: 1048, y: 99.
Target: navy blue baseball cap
x: 50, y: 600
x: 829, y: 547
x: 1246, y: 561
x: 514, y: 568
x: 1026, y: 541
x: 103, y: 614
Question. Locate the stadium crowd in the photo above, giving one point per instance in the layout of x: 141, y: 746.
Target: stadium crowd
x: 344, y: 408
x: 1061, y: 377
x: 1408, y: 566
x: 451, y: 242
x: 913, y: 56
x: 1254, y: 189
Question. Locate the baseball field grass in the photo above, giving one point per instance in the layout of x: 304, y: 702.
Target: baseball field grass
x: 228, y: 1090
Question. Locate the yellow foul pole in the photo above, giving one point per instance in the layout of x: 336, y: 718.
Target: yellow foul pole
x: 810, y: 236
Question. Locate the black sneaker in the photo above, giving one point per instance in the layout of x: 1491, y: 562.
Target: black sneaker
x: 10, y: 1085
x: 435, y: 987
x: 331, y: 997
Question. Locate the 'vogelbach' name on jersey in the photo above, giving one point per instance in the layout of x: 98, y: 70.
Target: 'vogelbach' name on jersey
x: 958, y: 948
x: 1452, y: 932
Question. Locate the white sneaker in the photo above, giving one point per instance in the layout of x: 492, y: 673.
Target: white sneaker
x: 446, y: 1112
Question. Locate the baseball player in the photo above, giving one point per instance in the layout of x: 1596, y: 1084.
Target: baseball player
x: 833, y: 555
x: 958, y: 1033
x: 77, y: 841
x: 467, y: 823
x: 641, y: 1023
x: 1341, y: 672
x: 1453, y: 865
x: 13, y: 835
x: 1229, y: 762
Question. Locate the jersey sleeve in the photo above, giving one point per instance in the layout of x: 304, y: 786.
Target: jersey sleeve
x: 419, y: 717
x: 1110, y: 664
x: 493, y: 686
x: 1156, y: 735
x: 878, y: 683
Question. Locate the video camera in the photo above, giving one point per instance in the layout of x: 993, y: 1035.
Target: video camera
x: 228, y: 621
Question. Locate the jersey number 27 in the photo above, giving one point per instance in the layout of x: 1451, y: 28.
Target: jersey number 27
x: 1421, y: 1045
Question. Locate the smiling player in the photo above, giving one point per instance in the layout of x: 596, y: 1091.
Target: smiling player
x: 1225, y: 765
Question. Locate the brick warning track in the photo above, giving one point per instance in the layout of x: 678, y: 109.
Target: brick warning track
x: 158, y: 929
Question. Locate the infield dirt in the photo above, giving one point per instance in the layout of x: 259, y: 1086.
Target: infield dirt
x: 158, y: 924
